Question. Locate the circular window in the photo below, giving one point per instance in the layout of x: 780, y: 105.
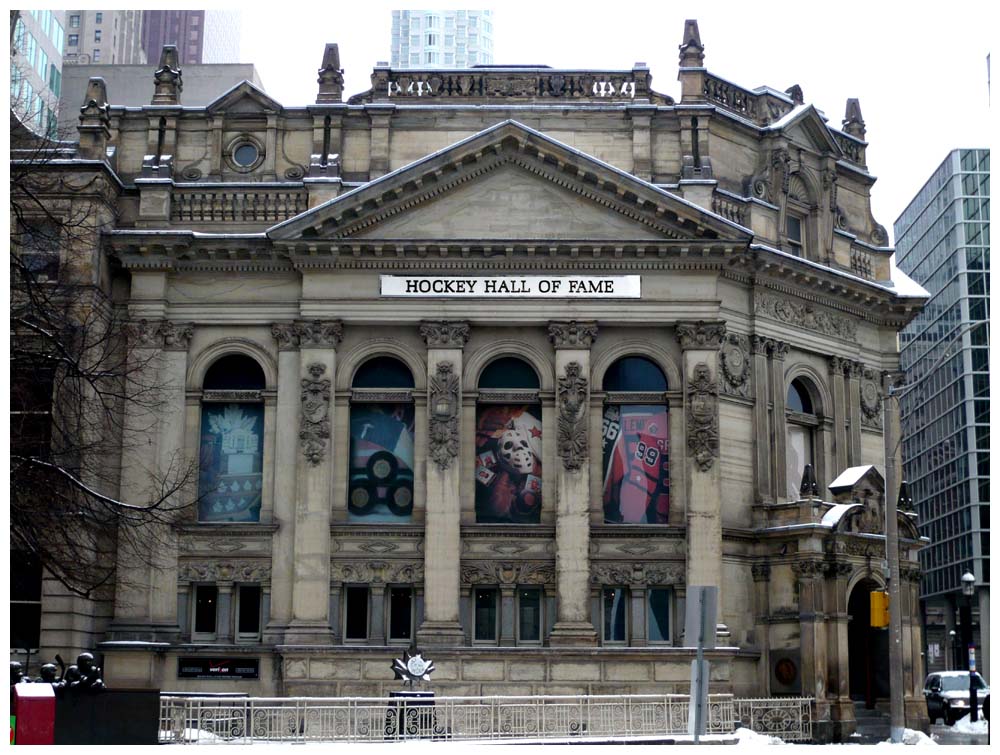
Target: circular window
x: 245, y: 155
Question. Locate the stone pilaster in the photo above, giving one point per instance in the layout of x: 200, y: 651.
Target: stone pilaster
x: 442, y: 534
x: 224, y: 617
x: 762, y: 610
x: 285, y: 452
x: 310, y: 623
x: 838, y: 687
x: 779, y: 467
x: 811, y: 629
x: 839, y: 390
x: 764, y: 492
x: 572, y: 341
x: 700, y: 344
x: 508, y: 613
x: 852, y: 371
x: 381, y: 116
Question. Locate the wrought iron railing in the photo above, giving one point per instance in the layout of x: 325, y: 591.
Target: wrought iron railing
x: 200, y: 720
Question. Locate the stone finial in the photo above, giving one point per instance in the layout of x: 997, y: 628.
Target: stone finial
x: 809, y: 488
x: 331, y: 76
x: 167, y: 78
x: 905, y: 500
x: 853, y: 123
x: 692, y: 52
x: 795, y: 92
x: 94, y: 121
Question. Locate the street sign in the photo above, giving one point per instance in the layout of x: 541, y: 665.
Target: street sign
x: 699, y: 632
x: 972, y: 658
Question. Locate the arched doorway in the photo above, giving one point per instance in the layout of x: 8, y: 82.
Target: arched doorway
x: 868, y: 648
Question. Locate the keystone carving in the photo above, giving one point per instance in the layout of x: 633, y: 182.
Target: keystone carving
x: 734, y: 358
x: 160, y: 334
x: 224, y: 571
x: 654, y: 573
x: 572, y: 424
x: 440, y: 334
x: 572, y: 334
x: 315, y: 427
x: 700, y: 335
x: 444, y: 415
x: 319, y: 333
x: 507, y: 573
x: 703, y: 417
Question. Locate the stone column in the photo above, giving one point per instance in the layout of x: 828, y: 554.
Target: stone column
x: 853, y: 370
x: 838, y: 664
x: 224, y: 617
x: 508, y: 634
x: 572, y: 342
x: 700, y: 344
x: 285, y: 452
x: 637, y: 618
x: 839, y: 390
x: 813, y: 647
x: 764, y: 492
x: 376, y: 632
x: 442, y: 533
x: 779, y: 467
x: 762, y: 610
x: 315, y: 452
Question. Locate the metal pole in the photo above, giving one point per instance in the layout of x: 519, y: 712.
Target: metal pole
x: 890, y: 437
x: 699, y: 657
x: 973, y: 701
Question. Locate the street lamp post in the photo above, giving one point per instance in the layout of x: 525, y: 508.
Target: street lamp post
x: 969, y: 589
x: 953, y: 651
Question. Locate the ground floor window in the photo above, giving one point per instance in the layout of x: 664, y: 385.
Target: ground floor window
x: 529, y: 615
x: 486, y: 614
x: 356, y: 613
x: 206, y: 612
x: 25, y: 601
x: 400, y: 613
x: 658, y: 615
x: 615, y: 615
x: 248, y: 613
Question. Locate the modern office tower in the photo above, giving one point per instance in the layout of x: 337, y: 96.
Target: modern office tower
x: 943, y: 242
x: 442, y: 38
x: 36, y: 67
x: 104, y: 37
x: 201, y: 36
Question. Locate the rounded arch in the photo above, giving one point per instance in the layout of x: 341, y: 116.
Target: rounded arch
x: 200, y: 363
x: 378, y: 347
x: 804, y: 188
x: 637, y: 348
x: 815, y: 384
x: 478, y: 360
x: 863, y: 575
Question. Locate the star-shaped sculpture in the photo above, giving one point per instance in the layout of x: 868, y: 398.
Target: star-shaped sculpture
x: 412, y: 667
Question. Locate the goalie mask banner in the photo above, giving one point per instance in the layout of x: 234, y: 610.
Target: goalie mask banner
x: 636, y: 450
x: 509, y: 464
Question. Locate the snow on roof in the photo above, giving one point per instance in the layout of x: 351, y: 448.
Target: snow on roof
x: 852, y: 476
x: 903, y: 284
x: 832, y: 517
x: 787, y: 118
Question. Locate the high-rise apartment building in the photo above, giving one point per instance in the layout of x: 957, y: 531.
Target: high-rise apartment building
x: 441, y: 38
x: 36, y: 67
x: 201, y: 36
x: 943, y: 242
x: 104, y: 37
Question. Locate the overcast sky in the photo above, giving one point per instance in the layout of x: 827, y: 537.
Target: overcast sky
x: 918, y: 68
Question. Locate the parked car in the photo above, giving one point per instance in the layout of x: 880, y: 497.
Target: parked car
x: 947, y: 695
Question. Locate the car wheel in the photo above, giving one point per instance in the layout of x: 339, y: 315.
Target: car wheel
x: 949, y: 717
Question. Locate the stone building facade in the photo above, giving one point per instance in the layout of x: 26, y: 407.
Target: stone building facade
x: 500, y: 361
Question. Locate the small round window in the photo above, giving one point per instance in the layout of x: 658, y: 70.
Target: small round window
x: 245, y: 155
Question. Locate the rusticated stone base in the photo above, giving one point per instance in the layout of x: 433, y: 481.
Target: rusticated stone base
x: 434, y: 634
x: 308, y: 633
x: 573, y: 634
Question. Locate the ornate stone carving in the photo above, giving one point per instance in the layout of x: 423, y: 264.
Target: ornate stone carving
x: 734, y: 358
x: 869, y: 518
x: 508, y: 573
x: 780, y: 171
x: 572, y: 334
x: 315, y: 425
x: 807, y: 569
x: 703, y: 417
x: 805, y: 315
x: 316, y: 334
x: 442, y: 334
x: 838, y: 569
x: 286, y: 334
x: 871, y: 400
x: 700, y: 335
x: 835, y: 365
x: 379, y: 546
x: 761, y: 572
x: 911, y: 574
x: 160, y: 334
x: 652, y: 573
x: 572, y: 427
x: 759, y: 344
x: 664, y: 574
x: 830, y: 186
x: 853, y: 369
x: 443, y: 407
x: 864, y: 547
x: 225, y: 571
x: 778, y: 349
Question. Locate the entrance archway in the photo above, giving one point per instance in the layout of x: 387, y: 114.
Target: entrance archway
x: 868, y: 648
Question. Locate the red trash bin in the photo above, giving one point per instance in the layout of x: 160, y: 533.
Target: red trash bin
x: 35, y: 714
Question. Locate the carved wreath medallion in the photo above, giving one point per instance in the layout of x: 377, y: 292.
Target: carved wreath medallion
x: 315, y: 426
x: 444, y: 415
x: 871, y: 400
x: 735, y: 360
x: 572, y: 424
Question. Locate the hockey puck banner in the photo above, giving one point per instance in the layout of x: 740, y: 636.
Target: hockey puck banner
x: 380, y: 487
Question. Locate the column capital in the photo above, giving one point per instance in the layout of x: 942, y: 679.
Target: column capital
x: 445, y: 334
x: 319, y: 333
x: 759, y: 345
x: 853, y: 369
x: 835, y: 365
x: 779, y: 350
x: 761, y: 572
x: 286, y: 334
x: 572, y: 334
x: 160, y: 334
x: 700, y: 335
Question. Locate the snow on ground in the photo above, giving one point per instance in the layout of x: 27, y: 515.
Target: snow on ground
x: 966, y: 726
x: 911, y: 737
x: 748, y: 736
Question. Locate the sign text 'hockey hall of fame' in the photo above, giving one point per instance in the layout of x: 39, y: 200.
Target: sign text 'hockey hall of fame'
x: 519, y: 286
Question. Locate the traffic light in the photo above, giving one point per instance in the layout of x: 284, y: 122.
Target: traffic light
x: 879, y: 609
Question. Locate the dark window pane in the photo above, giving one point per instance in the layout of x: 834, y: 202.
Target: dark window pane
x: 508, y: 372
x: 400, y: 613
x: 794, y: 229
x: 236, y: 372
x: 205, y: 604
x: 529, y: 615
x: 659, y: 615
x: 614, y: 614
x: 798, y: 399
x: 486, y: 614
x: 356, y: 624
x: 634, y: 374
x: 25, y: 576
x: 383, y: 372
x: 249, y: 617
x: 25, y: 625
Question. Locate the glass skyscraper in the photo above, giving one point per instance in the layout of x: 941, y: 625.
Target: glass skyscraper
x: 441, y: 38
x: 943, y: 243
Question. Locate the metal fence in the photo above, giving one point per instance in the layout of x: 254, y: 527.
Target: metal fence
x: 202, y: 720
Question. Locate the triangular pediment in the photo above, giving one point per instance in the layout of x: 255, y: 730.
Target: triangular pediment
x: 245, y: 97
x: 509, y: 182
x: 805, y: 126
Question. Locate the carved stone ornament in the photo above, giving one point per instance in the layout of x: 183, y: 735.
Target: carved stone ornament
x: 160, y: 334
x: 443, y: 406
x: 807, y: 569
x: 572, y: 430
x: 700, y: 335
x: 703, y: 417
x: 176, y: 336
x: 319, y: 333
x: 805, y: 315
x: 761, y: 572
x: 652, y: 573
x: 871, y: 400
x: 442, y: 334
x: 507, y: 573
x: 572, y: 334
x: 864, y: 547
x: 286, y: 334
x: 838, y: 570
x: 869, y: 518
x: 780, y: 171
x: 315, y: 427
x: 225, y: 571
x: 386, y: 572
x: 734, y: 358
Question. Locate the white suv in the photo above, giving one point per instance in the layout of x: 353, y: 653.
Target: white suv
x: 947, y: 695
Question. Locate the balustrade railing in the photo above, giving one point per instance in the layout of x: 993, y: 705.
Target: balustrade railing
x: 202, y: 720
x: 240, y: 206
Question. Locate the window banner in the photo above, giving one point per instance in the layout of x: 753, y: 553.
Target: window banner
x: 230, y: 478
x: 636, y: 449
x: 509, y: 464
x: 380, y: 488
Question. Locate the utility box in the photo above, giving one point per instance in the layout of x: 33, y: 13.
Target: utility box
x: 34, y: 714
x: 879, y: 609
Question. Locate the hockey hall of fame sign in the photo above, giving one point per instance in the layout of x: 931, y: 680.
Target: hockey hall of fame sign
x: 513, y: 286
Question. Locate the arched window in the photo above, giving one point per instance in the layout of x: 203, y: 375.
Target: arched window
x: 380, y: 486
x: 508, y: 444
x: 231, y: 465
x: 636, y: 443
x: 800, y: 429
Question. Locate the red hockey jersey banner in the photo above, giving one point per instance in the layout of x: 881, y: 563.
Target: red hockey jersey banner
x: 636, y: 446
